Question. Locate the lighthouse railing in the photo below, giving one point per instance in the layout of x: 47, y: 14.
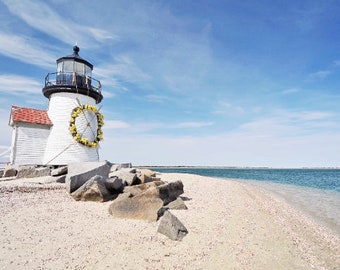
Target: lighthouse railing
x: 72, y: 79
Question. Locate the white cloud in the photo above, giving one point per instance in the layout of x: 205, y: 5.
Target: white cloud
x: 116, y: 124
x: 319, y: 75
x: 25, y: 50
x: 15, y: 84
x: 194, y: 124
x: 290, y: 123
x: 157, y: 98
x: 55, y: 25
x: 227, y: 108
x: 290, y: 91
x: 337, y: 63
x: 124, y: 67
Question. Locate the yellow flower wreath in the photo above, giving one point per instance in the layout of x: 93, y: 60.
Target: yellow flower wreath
x: 73, y: 129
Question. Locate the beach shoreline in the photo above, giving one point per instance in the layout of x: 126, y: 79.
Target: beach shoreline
x: 231, y: 224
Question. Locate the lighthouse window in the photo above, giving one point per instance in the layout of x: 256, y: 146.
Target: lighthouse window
x: 60, y: 67
x: 79, y: 68
x: 68, y: 66
x: 88, y: 71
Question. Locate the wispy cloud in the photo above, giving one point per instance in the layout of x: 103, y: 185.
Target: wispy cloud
x: 25, y: 50
x: 290, y: 123
x: 51, y: 23
x: 124, y: 67
x: 319, y: 75
x: 15, y: 84
x: 157, y: 98
x: 123, y: 70
x: 227, y: 108
x: 290, y: 91
x: 116, y: 124
x: 336, y: 63
x: 194, y: 124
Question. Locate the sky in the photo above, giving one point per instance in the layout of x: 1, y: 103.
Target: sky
x: 201, y: 83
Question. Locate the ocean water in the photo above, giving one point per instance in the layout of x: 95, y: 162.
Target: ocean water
x: 328, y: 179
x: 313, y: 192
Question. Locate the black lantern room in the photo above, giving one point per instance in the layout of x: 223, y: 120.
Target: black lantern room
x: 74, y: 75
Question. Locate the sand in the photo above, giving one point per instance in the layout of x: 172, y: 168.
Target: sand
x: 231, y: 225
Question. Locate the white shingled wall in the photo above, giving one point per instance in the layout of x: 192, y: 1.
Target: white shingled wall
x: 28, y: 143
x: 61, y: 147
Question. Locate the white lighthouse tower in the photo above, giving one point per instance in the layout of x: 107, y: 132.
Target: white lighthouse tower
x: 73, y: 97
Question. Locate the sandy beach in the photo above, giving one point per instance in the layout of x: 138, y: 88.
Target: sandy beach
x: 231, y: 225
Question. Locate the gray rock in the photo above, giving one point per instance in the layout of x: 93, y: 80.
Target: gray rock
x: 114, y: 184
x: 59, y: 171
x: 60, y: 178
x: 10, y: 171
x: 125, y: 165
x: 148, y: 172
x: 114, y: 167
x: 93, y: 190
x: 170, y: 191
x: 141, y: 207
x: 146, y: 175
x: 127, y: 177
x: 167, y: 192
x: 172, y: 227
x: 129, y: 170
x: 177, y: 204
x: 80, y: 173
x: 138, y: 189
x: 32, y: 171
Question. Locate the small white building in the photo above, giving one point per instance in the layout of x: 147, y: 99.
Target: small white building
x: 31, y: 128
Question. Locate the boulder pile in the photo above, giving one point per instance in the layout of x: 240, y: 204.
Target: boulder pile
x: 135, y: 193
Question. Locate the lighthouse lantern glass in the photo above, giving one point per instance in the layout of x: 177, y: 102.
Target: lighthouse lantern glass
x: 88, y: 71
x: 68, y: 66
x: 60, y: 67
x: 79, y: 68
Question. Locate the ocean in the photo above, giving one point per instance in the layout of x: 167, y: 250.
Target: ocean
x: 313, y: 192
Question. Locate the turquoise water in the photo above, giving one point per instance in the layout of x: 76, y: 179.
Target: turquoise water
x: 326, y: 179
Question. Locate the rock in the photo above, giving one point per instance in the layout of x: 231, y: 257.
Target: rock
x: 60, y: 178
x: 167, y: 192
x: 126, y: 176
x: 141, y: 207
x: 129, y: 170
x: 138, y: 189
x: 146, y: 179
x: 55, y: 179
x: 147, y: 172
x: 177, y: 204
x: 79, y: 173
x: 10, y: 171
x: 172, y: 227
x: 32, y: 171
x: 170, y: 191
x: 93, y: 190
x: 146, y: 175
x: 59, y: 171
x: 114, y: 167
x: 125, y: 165
x: 114, y: 184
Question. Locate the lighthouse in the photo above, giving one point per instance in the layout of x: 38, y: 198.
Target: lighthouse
x: 73, y: 109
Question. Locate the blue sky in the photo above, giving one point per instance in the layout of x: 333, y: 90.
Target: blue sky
x: 235, y: 83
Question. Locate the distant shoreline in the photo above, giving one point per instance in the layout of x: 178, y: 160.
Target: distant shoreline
x: 237, y: 167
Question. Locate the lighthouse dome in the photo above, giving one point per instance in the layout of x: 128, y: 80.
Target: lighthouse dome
x: 74, y: 75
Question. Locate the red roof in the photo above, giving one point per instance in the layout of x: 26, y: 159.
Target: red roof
x: 29, y: 115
